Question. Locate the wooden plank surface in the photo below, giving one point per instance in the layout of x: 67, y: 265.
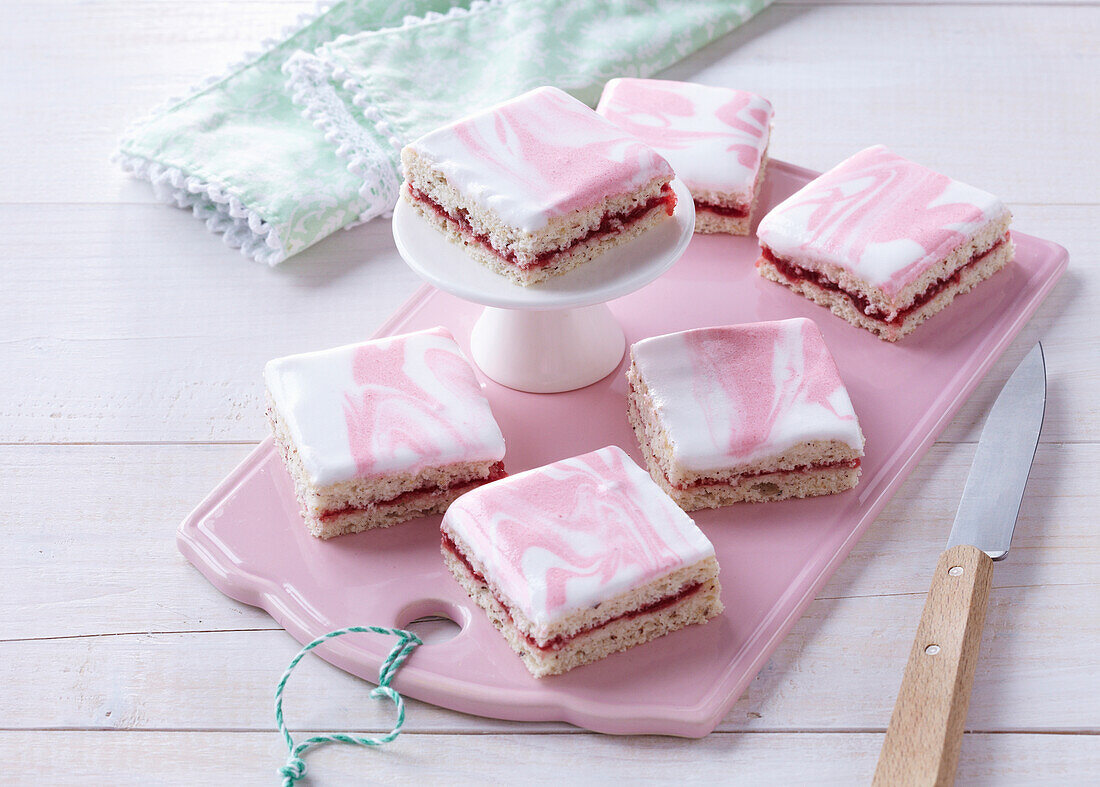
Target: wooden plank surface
x: 101, y: 557
x: 108, y: 619
x: 841, y: 77
x: 130, y: 386
x: 187, y: 758
x: 839, y: 669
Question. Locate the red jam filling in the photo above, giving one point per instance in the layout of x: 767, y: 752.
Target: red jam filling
x: 852, y: 463
x: 496, y: 472
x: 610, y: 224
x: 733, y: 212
x: 561, y: 640
x: 794, y: 273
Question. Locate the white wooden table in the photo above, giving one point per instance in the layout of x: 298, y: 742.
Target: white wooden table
x: 130, y: 384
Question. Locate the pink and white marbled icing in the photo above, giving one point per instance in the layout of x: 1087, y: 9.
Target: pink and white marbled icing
x: 575, y: 533
x: 880, y: 216
x: 541, y: 155
x: 714, y: 137
x: 737, y: 394
x: 387, y: 406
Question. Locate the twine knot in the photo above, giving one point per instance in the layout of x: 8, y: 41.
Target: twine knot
x: 383, y: 691
x: 294, y: 770
x: 407, y: 642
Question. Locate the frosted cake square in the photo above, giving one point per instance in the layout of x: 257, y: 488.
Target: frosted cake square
x: 537, y: 185
x: 753, y: 412
x: 884, y: 243
x: 715, y: 138
x: 580, y: 559
x: 377, y: 433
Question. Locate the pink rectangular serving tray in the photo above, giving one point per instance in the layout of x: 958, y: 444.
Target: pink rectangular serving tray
x: 248, y: 538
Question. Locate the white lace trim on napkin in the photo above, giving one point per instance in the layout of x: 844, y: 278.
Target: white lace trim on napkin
x: 240, y: 227
x: 310, y: 86
x: 311, y: 80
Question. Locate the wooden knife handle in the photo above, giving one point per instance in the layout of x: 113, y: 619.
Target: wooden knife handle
x: 925, y: 733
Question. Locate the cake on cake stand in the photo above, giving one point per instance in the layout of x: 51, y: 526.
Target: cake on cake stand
x: 554, y: 336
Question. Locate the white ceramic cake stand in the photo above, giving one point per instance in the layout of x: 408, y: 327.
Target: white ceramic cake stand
x: 558, y: 335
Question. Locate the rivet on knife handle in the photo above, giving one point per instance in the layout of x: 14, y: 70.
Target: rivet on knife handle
x: 925, y: 733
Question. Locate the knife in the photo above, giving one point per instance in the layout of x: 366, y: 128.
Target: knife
x: 925, y: 733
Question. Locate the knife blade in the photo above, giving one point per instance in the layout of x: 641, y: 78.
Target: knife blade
x: 925, y: 733
x: 995, y: 487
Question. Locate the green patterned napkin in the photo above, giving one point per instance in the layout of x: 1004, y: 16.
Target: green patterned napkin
x: 372, y: 75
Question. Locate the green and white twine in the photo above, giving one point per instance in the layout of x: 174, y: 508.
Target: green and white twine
x: 407, y: 642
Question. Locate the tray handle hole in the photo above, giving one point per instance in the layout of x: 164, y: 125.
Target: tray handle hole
x: 434, y: 621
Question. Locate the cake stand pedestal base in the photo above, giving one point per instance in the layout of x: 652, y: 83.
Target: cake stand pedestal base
x: 547, y: 351
x: 557, y: 335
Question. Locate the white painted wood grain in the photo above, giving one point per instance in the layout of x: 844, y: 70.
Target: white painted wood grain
x: 186, y: 758
x: 839, y: 669
x: 125, y: 321
x: 922, y: 78
x: 100, y: 557
x: 116, y: 570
